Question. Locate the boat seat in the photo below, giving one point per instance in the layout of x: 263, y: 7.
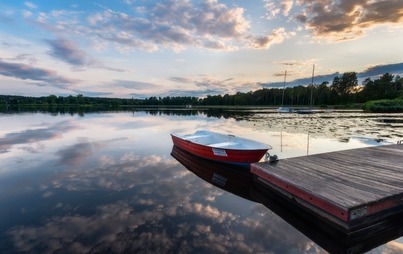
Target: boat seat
x: 195, y: 137
x: 224, y: 144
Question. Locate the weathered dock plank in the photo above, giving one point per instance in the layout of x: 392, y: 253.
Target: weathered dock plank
x: 328, y: 237
x: 345, y: 186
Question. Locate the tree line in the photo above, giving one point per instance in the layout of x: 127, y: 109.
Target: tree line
x: 344, y: 89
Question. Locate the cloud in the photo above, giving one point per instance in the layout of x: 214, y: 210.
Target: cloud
x: 279, y: 74
x: 200, y: 93
x: 201, y: 87
x: 382, y: 69
x: 211, y: 86
x: 287, y: 6
x: 347, y: 19
x: 26, y: 14
x: 27, y: 72
x: 65, y: 50
x: 318, y: 79
x: 204, y: 18
x: 297, y: 63
x: 68, y: 52
x: 276, y: 37
x: 30, y: 59
x: 31, y: 5
x: 137, y: 89
x: 172, y: 24
x: 180, y: 80
x: 137, y: 85
x: 275, y: 7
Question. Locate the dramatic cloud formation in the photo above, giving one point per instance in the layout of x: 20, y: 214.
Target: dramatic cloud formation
x: 173, y: 24
x: 347, y: 19
x: 161, y: 48
x: 169, y: 24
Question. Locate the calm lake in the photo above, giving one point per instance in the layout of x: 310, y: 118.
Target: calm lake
x: 107, y: 182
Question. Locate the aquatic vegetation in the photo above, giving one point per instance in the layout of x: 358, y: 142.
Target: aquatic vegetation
x: 384, y: 106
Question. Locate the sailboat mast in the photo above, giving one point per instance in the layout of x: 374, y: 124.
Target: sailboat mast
x: 282, y: 98
x: 313, y: 73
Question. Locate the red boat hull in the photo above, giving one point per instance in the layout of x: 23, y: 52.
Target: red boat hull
x: 219, y: 154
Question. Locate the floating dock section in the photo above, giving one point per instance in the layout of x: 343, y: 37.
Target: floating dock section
x: 350, y: 189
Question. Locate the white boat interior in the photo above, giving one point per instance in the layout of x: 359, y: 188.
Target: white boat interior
x: 225, y: 141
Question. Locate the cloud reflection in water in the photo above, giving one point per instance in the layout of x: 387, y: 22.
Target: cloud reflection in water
x: 145, y: 215
x: 33, y: 136
x: 106, y: 184
x: 132, y: 204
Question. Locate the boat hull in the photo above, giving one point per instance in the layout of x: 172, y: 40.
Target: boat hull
x: 235, y: 156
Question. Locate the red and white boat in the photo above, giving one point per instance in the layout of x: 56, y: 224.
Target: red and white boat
x: 221, y: 147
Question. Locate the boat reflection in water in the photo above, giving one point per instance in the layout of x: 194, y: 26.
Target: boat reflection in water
x: 239, y: 181
x: 236, y: 179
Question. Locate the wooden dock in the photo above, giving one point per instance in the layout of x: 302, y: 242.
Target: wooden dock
x: 332, y: 239
x: 349, y: 189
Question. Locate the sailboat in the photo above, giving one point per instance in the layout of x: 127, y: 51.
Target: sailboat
x: 284, y: 109
x: 310, y: 110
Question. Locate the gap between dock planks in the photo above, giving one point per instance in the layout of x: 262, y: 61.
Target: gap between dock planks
x: 342, y: 181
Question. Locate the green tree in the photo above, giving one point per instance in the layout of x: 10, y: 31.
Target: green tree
x: 51, y: 99
x: 345, y: 85
x: 80, y: 99
x: 322, y: 94
x: 386, y: 86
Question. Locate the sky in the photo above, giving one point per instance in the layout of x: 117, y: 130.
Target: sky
x: 143, y: 48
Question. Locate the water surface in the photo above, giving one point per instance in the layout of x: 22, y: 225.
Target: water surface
x: 106, y: 182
